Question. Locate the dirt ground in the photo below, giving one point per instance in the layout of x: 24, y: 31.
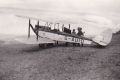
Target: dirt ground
x: 28, y: 62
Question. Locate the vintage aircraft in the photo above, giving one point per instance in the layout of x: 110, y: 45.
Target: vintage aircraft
x: 45, y: 34
x: 66, y: 36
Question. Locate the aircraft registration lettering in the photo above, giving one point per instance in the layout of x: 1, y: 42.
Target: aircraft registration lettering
x: 72, y: 38
x: 65, y: 37
x: 75, y: 39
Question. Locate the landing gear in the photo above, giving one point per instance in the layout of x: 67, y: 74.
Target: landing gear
x: 82, y: 42
x: 42, y: 45
x: 47, y: 45
x: 66, y: 44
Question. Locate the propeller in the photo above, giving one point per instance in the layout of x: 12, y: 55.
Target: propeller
x: 29, y: 29
x: 35, y: 31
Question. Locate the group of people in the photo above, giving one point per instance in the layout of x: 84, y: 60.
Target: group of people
x: 79, y: 33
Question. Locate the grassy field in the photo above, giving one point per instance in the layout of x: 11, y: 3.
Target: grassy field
x: 28, y: 62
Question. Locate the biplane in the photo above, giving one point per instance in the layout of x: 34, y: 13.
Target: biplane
x: 53, y: 36
x: 44, y: 34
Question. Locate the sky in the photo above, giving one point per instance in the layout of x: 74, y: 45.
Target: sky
x: 106, y: 8
x: 107, y: 5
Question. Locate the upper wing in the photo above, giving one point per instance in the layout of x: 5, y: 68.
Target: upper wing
x: 63, y: 17
x: 47, y: 16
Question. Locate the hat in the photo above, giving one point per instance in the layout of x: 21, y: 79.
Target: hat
x: 79, y: 28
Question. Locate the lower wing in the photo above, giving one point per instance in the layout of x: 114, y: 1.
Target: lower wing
x: 32, y: 40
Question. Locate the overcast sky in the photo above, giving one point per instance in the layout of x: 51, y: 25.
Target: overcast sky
x: 97, y: 6
x: 106, y: 5
x: 108, y: 8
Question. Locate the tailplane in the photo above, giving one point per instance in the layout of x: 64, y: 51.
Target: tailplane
x: 104, y: 38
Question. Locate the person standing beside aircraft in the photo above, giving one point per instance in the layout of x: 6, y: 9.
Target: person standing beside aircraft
x: 74, y: 33
x: 80, y: 33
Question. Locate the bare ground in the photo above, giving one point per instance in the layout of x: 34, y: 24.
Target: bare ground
x: 28, y: 62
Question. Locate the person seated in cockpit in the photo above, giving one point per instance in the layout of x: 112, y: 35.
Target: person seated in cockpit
x: 73, y: 32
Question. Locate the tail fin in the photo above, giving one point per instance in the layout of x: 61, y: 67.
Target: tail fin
x: 104, y: 38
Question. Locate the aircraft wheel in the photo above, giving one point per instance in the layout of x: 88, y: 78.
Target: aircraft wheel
x: 42, y: 45
x: 67, y: 43
x: 50, y: 45
x: 39, y: 45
